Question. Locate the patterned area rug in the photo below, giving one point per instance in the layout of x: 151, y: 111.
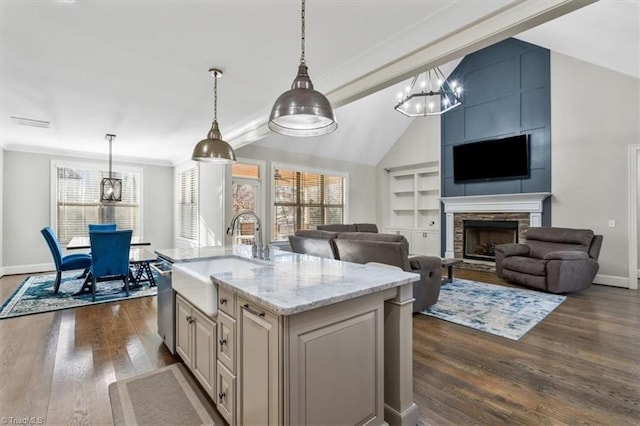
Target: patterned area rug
x: 35, y: 295
x: 505, y: 311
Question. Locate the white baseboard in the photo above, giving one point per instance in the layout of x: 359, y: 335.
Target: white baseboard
x: 27, y: 269
x: 612, y: 280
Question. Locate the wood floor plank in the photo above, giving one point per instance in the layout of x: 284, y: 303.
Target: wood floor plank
x: 580, y: 365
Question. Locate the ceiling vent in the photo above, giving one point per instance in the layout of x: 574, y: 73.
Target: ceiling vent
x: 31, y: 122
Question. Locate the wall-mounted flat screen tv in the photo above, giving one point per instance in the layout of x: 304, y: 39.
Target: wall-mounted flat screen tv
x: 494, y: 159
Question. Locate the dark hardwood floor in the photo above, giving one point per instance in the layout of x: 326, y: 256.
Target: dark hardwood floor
x: 578, y: 366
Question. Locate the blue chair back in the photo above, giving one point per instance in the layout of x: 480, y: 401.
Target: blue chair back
x: 102, y: 227
x: 54, y: 246
x: 110, y: 252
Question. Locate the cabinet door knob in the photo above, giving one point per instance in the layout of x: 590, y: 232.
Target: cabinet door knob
x: 189, y: 319
x: 223, y: 300
x: 222, y: 395
x: 222, y: 341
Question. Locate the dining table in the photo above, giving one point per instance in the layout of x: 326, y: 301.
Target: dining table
x: 78, y: 243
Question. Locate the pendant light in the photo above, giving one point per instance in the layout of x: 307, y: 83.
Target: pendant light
x: 302, y: 111
x: 213, y: 149
x: 110, y: 188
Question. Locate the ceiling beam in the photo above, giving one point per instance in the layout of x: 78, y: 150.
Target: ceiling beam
x: 506, y: 22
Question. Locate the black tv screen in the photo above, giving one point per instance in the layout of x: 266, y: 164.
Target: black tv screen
x: 494, y: 159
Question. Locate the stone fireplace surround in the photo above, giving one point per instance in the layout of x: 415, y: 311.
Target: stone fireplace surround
x: 526, y: 208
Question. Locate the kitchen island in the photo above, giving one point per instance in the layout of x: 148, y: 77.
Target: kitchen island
x: 296, y: 339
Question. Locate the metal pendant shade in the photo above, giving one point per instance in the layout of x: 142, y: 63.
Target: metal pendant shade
x: 302, y: 111
x: 213, y: 149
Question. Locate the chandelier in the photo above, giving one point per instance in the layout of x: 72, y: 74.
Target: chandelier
x: 110, y: 188
x: 430, y: 93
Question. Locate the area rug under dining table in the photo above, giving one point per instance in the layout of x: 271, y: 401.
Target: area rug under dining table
x: 35, y: 295
x: 509, y: 312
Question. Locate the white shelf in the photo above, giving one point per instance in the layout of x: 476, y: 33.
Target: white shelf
x: 415, y: 200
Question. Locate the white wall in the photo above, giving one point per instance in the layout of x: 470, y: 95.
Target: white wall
x: 418, y: 145
x: 212, y: 203
x: 1, y: 208
x: 595, y: 116
x: 27, y: 205
x: 362, y: 181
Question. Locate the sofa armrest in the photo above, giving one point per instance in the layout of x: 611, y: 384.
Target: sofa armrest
x: 427, y: 290
x: 566, y: 255
x: 425, y: 263
x: 512, y: 249
x: 504, y: 251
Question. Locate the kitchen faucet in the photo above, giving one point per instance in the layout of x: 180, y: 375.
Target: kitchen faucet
x: 257, y: 249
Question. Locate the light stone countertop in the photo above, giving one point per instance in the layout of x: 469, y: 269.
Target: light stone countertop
x: 287, y: 284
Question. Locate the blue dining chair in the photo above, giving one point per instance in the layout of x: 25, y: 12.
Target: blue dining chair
x: 110, y: 257
x: 70, y: 262
x: 102, y: 227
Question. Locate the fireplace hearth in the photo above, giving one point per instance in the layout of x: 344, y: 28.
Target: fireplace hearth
x: 481, y: 236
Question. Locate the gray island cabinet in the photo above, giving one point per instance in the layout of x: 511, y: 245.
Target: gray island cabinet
x: 297, y: 339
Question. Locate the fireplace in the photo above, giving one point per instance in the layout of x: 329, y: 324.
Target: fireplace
x: 481, y: 236
x: 525, y: 208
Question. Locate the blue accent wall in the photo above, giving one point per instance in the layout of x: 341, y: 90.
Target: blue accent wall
x: 506, y: 92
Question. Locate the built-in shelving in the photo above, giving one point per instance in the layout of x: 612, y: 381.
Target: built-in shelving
x: 415, y: 207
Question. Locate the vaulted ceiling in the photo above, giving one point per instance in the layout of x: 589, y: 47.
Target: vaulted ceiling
x: 139, y: 69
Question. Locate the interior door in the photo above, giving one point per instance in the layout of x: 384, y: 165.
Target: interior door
x: 246, y: 197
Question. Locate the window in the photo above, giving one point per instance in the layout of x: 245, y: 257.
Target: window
x: 188, y: 204
x: 77, y: 189
x: 304, y: 200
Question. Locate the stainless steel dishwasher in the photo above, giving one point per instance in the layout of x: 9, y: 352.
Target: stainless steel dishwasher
x: 166, y: 303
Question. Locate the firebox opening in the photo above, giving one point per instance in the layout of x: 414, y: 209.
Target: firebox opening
x: 481, y: 236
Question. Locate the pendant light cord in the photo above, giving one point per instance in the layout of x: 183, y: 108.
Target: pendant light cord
x: 215, y: 96
x: 302, y: 58
x: 110, y: 138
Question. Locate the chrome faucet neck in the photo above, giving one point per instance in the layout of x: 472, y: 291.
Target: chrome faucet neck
x: 257, y: 249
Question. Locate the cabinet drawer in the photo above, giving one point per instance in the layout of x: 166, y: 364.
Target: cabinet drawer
x: 226, y: 397
x: 226, y: 301
x: 226, y: 343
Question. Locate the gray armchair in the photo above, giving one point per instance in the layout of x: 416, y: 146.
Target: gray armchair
x: 557, y: 260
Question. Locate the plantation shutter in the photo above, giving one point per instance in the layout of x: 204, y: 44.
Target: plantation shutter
x: 305, y: 200
x: 188, y: 204
x: 78, y: 201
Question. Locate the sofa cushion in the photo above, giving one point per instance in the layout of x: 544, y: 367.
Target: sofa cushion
x: 337, y: 227
x: 322, y: 247
x: 366, y: 227
x: 370, y: 236
x: 544, y: 240
x: 364, y: 251
x: 526, y: 265
x: 313, y: 233
x: 533, y: 281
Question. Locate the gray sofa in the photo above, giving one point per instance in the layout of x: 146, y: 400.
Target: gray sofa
x: 365, y: 247
x: 557, y: 260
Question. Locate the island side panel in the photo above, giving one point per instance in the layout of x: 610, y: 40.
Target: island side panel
x: 336, y: 363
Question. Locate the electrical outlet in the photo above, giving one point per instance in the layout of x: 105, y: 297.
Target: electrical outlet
x: 612, y: 223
